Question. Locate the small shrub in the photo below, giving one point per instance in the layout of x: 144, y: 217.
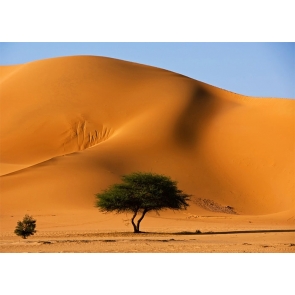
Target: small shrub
x: 26, y: 227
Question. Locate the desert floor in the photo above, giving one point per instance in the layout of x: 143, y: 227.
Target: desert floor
x: 219, y: 234
x: 85, y: 242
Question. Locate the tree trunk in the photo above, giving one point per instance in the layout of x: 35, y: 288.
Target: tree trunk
x: 140, y: 219
x: 132, y: 221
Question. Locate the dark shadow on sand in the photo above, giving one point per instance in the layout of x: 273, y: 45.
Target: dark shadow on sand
x: 236, y: 232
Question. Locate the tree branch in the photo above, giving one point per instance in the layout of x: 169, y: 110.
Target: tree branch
x: 141, y: 218
x: 132, y: 220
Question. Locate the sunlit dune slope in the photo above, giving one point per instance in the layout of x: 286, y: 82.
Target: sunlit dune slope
x: 71, y: 126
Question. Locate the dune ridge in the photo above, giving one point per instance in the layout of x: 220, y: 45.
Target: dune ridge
x: 71, y: 126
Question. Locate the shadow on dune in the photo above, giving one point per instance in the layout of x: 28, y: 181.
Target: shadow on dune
x: 198, y: 111
x: 195, y: 118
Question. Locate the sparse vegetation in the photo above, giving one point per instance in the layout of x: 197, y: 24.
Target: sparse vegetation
x: 26, y: 227
x: 141, y: 193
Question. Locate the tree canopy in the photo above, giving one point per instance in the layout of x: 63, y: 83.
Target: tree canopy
x: 140, y: 193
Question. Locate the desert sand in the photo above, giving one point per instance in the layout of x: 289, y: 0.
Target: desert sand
x: 72, y: 126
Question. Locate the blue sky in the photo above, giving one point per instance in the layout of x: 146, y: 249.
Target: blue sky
x: 253, y: 69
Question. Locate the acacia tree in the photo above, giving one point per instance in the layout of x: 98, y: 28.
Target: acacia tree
x: 26, y: 227
x: 140, y: 193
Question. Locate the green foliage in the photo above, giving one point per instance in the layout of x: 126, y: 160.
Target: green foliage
x: 26, y: 227
x: 142, y: 192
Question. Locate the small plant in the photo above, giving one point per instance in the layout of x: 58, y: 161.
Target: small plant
x: 26, y: 227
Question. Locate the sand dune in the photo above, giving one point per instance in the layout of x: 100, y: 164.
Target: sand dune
x: 71, y: 126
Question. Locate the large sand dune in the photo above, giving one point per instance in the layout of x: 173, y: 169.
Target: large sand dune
x: 72, y: 126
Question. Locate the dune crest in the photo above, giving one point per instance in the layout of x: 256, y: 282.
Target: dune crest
x: 71, y: 126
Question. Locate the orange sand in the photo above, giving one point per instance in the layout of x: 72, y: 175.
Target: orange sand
x: 71, y: 126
